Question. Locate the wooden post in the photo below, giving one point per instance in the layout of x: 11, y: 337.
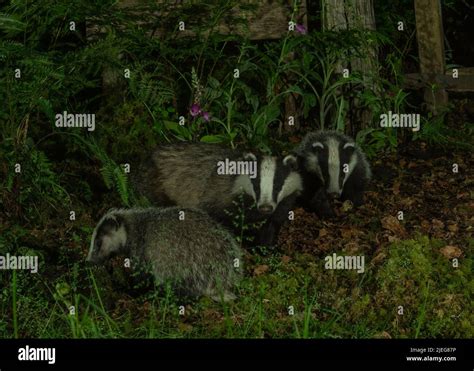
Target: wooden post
x: 429, y: 31
x: 355, y: 14
x: 334, y: 19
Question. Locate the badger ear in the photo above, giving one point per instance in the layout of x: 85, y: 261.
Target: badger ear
x: 249, y: 156
x: 349, y: 147
x: 111, y: 235
x: 112, y: 223
x: 317, y: 145
x: 291, y: 161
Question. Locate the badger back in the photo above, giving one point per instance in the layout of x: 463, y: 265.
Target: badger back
x: 189, y: 249
x: 186, y: 174
x: 188, y: 232
x: 211, y: 177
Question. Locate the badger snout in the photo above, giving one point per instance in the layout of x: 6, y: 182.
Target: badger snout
x: 266, y: 209
x: 90, y: 260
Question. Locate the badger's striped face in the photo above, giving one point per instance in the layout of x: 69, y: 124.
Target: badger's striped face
x: 276, y: 179
x: 108, y: 239
x: 334, y: 162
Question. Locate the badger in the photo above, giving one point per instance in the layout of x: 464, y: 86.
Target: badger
x: 331, y: 166
x: 188, y: 175
x: 183, y: 247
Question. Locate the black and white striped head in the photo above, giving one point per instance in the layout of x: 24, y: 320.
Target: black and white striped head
x: 108, y: 239
x: 332, y: 157
x: 277, y: 178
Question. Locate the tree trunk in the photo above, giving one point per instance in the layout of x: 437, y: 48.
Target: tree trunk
x: 355, y: 14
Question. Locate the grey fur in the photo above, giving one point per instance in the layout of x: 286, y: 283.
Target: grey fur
x: 186, y: 175
x: 196, y: 255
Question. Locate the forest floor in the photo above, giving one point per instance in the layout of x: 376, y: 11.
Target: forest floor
x: 417, y: 281
x: 417, y: 192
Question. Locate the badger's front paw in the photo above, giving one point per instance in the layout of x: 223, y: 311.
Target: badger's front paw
x: 322, y: 207
x: 266, y: 238
x: 326, y: 213
x: 357, y: 198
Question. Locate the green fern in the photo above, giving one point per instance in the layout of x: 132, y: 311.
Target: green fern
x: 114, y: 177
x: 121, y: 185
x: 107, y: 172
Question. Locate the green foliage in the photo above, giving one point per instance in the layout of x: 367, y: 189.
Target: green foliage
x: 244, y: 229
x: 113, y: 175
x: 59, y: 67
x: 417, y: 277
x: 64, y: 169
x: 30, y: 181
x: 325, y: 304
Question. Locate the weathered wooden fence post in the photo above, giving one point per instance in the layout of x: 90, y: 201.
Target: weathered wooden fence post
x: 355, y: 14
x: 429, y: 32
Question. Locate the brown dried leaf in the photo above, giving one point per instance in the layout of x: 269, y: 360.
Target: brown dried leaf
x: 451, y: 252
x: 383, y: 335
x: 351, y: 248
x: 260, y: 269
x: 408, y: 201
x: 437, y: 224
x: 347, y: 233
x: 393, y: 239
x: 393, y: 225
x: 462, y: 195
x: 396, y: 187
x: 425, y: 225
x: 453, y: 228
x: 378, y: 258
x: 323, y: 232
x: 285, y: 259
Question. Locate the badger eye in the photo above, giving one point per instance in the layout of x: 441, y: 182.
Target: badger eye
x: 98, y: 244
x: 349, y: 147
x: 317, y: 146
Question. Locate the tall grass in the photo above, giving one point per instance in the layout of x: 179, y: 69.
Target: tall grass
x: 14, y: 305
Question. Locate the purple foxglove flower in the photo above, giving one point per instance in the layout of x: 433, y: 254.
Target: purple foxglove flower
x: 195, y: 110
x: 301, y: 29
x: 206, y: 116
